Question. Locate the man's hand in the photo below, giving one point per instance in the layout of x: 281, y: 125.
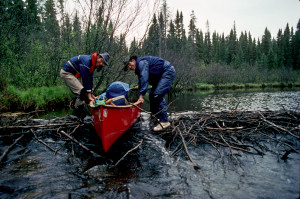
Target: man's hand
x: 141, y: 99
x: 91, y: 97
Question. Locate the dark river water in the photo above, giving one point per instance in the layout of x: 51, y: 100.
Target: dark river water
x: 33, y: 171
x: 247, y: 100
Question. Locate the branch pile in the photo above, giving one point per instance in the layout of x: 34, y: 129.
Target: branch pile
x: 247, y: 132
x: 54, y: 133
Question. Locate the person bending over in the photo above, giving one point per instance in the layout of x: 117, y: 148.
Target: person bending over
x: 160, y: 74
x: 83, y: 66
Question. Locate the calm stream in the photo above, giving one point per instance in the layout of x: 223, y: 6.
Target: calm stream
x: 34, y: 171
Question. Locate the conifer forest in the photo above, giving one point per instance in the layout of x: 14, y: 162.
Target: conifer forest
x: 38, y: 37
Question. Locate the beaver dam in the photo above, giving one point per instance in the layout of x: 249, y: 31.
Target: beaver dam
x: 234, y: 154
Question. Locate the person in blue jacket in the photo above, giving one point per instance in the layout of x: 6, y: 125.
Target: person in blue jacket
x: 160, y: 74
x: 83, y: 66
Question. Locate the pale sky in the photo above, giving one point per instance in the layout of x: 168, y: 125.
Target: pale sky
x: 249, y: 15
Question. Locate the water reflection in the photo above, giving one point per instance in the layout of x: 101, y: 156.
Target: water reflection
x: 245, y: 101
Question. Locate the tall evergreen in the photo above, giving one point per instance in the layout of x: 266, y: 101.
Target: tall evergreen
x: 191, y: 47
x: 192, y: 27
x: 32, y: 12
x: 178, y: 24
x: 76, y: 39
x: 231, y: 46
x: 266, y: 42
x: 151, y: 44
x: 179, y: 31
x: 50, y: 22
x: 163, y: 21
x: 171, y: 42
x: 183, y: 36
x: 287, y: 47
x: 207, y: 45
x: 272, y: 56
x: 215, y: 47
x: 242, y: 51
x: 161, y: 32
x: 51, y: 36
x: 280, y: 53
x: 222, y: 49
x: 199, y: 46
x: 296, y: 48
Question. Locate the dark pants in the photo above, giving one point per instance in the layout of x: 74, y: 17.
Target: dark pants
x: 157, y: 93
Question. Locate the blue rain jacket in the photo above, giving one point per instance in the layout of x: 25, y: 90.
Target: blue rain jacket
x: 82, y: 63
x: 116, y: 89
x: 150, y: 70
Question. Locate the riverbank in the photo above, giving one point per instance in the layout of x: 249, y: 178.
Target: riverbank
x: 32, y: 99
x: 201, y: 86
x: 60, y: 97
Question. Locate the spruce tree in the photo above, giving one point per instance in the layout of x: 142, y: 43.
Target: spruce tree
x: 287, y: 47
x: 192, y: 27
x: 76, y: 44
x: 215, y: 47
x: 222, y: 54
x: 280, y: 52
x: 296, y: 48
x: 151, y: 44
x: 266, y: 42
x: 199, y: 46
x: 52, y: 42
x: 171, y: 41
x: 207, y: 45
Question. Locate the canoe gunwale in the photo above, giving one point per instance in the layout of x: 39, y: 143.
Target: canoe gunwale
x: 115, y: 106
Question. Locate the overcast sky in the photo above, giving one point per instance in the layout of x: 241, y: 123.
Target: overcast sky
x: 249, y: 15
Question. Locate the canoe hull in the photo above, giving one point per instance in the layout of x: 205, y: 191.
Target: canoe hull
x: 111, y: 122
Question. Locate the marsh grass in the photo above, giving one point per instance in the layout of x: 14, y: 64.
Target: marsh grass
x: 35, y: 98
x: 204, y: 86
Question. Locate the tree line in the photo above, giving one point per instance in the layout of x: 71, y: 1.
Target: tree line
x: 38, y: 37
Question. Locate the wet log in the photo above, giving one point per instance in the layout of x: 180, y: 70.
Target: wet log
x: 276, y: 126
x: 81, y: 145
x: 41, y: 141
x: 137, y: 146
x: 10, y: 148
x: 41, y: 126
x: 233, y: 147
x: 195, y: 165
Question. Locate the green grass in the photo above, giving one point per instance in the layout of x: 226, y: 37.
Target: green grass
x: 34, y: 98
x: 204, y: 86
x: 230, y: 85
x: 252, y: 85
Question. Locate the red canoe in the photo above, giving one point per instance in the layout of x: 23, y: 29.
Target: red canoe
x: 111, y: 122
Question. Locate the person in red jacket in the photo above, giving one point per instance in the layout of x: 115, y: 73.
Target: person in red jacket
x: 83, y: 66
